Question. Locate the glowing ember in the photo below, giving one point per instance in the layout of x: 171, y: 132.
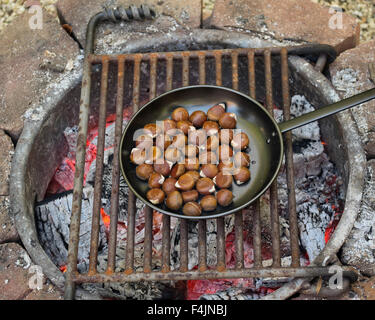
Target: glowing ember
x: 63, y: 269
x: 106, y: 218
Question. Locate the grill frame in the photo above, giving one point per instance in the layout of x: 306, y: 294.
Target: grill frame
x: 72, y: 275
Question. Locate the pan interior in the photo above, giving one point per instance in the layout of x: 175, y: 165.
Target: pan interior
x: 265, y: 147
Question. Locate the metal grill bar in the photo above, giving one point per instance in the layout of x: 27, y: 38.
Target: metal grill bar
x: 166, y: 244
x: 202, y: 245
x: 147, y: 263
x: 184, y: 260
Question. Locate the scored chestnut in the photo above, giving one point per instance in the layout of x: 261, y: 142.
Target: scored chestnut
x: 192, y: 164
x: 174, y: 200
x: 205, y: 186
x: 191, y: 195
x: 172, y: 154
x: 179, y: 141
x: 223, y: 180
x: 164, y: 167
x: 226, y: 136
x: 224, y: 197
x: 169, y: 126
x: 169, y: 185
x: 241, y: 159
x: 225, y: 152
x: 226, y: 166
x: 208, y: 203
x: 155, y: 196
x: 194, y: 174
x: 212, y: 143
x: 143, y: 171
x: 192, y: 209
x: 163, y: 141
x: 178, y: 170
x: 152, y: 129
x: 185, y: 182
x: 242, y: 175
x: 211, y: 127
x: 215, y: 112
x: 180, y: 114
x: 197, y: 137
x: 138, y: 156
x: 209, y: 170
x: 155, y: 180
x: 197, y: 118
x: 228, y: 120
x: 144, y: 141
x: 240, y: 141
x: 153, y: 154
x: 184, y: 126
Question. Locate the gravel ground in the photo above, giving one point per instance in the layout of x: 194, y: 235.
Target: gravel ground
x: 363, y: 10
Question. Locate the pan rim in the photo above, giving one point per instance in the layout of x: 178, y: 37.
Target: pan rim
x: 213, y: 216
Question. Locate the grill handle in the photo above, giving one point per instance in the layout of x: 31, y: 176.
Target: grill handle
x: 115, y: 15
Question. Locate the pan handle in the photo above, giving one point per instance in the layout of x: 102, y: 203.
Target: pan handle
x: 327, y: 110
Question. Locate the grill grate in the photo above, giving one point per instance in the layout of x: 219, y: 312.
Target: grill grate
x: 168, y: 59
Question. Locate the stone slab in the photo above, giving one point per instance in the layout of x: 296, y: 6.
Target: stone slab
x: 8, y: 232
x: 6, y: 152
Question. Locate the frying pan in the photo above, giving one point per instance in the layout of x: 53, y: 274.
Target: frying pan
x: 265, y: 135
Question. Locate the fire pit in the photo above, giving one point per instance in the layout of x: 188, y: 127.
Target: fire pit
x: 43, y: 146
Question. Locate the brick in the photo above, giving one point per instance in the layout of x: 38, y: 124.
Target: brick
x: 6, y: 151
x: 298, y: 20
x: 29, y: 60
x: 78, y: 13
x: 8, y: 232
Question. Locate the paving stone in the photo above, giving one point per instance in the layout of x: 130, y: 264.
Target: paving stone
x: 350, y: 75
x: 8, y: 232
x: 78, y: 13
x: 298, y: 20
x: 6, y: 152
x: 29, y: 60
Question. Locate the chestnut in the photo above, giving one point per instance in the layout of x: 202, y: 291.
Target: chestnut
x: 192, y: 164
x: 225, y: 152
x: 212, y: 143
x: 155, y: 196
x: 144, y: 141
x: 185, y: 126
x: 224, y: 197
x: 191, y: 195
x: 143, y: 171
x: 153, y: 154
x: 172, y: 154
x: 215, y: 112
x: 194, y: 174
x: 178, y: 170
x: 192, y: 209
x: 197, y: 118
x: 226, y: 136
x: 209, y: 170
x: 197, y: 137
x: 164, y: 167
x: 152, y: 129
x: 242, y: 175
x: 191, y: 151
x: 207, y: 157
x: 169, y: 126
x: 223, y: 180
x: 138, y: 156
x: 240, y: 141
x: 228, y: 120
x: 205, y: 186
x: 226, y: 166
x: 180, y: 114
x: 155, y: 180
x: 179, y: 141
x: 208, y: 203
x: 241, y: 159
x: 185, y: 182
x: 163, y: 141
x: 169, y: 185
x: 211, y: 127
x: 174, y: 200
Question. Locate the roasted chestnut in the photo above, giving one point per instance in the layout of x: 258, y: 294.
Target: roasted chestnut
x: 211, y: 127
x: 138, y: 156
x: 184, y: 126
x: 205, y: 186
x: 215, y: 112
x: 178, y: 170
x: 172, y: 154
x: 206, y: 157
x: 197, y: 118
x: 179, y: 141
x: 169, y: 185
x: 192, y: 164
x: 192, y: 209
x: 209, y: 170
x: 225, y: 136
x: 185, y: 182
x: 174, y: 200
x: 197, y: 137
x: 224, y: 197
x: 155, y: 196
x: 242, y: 175
x: 212, y: 143
x: 180, y: 114
x: 153, y: 154
x: 226, y: 166
x: 225, y: 152
x: 241, y: 159
x: 223, y: 180
x: 152, y: 129
x: 169, y: 126
x: 155, y: 180
x: 194, y: 174
x: 228, y: 120
x: 143, y: 171
x: 163, y: 141
x: 164, y: 167
x: 240, y: 141
x: 191, y: 151
x: 144, y: 141
x: 208, y: 203
x: 191, y: 195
